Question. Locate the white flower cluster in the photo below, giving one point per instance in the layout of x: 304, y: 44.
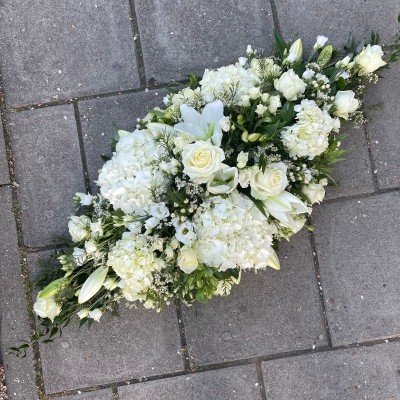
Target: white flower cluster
x: 207, y: 187
x: 233, y: 232
x: 134, y: 261
x: 228, y: 84
x: 309, y: 136
x: 129, y: 179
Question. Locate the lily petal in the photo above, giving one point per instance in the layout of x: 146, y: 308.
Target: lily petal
x: 190, y: 115
x: 191, y: 129
x: 273, y: 260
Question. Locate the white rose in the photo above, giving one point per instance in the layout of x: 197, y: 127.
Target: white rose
x: 308, y: 74
x: 47, y: 307
x: 242, y: 61
x: 315, y: 192
x: 245, y: 100
x: 321, y: 40
x: 274, y: 104
x: 159, y: 210
x: 244, y: 177
x: 90, y: 246
x: 187, y: 260
x: 224, y: 181
x: 345, y: 103
x: 290, y: 85
x: 151, y: 223
x: 261, y: 109
x: 83, y: 313
x: 97, y: 229
x: 225, y: 124
x: 96, y: 314
x: 369, y: 60
x: 269, y: 183
x: 79, y: 228
x: 254, y: 93
x: 185, y: 233
x: 84, y: 199
x: 79, y: 256
x: 242, y: 159
x: 201, y: 160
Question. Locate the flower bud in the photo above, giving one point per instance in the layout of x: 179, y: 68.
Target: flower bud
x: 295, y: 52
x: 245, y: 136
x: 92, y: 284
x: 253, y: 137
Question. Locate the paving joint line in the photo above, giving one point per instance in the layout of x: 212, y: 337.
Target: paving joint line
x: 182, y: 333
x: 260, y: 378
x: 138, y: 45
x: 229, y: 364
x: 371, y: 158
x: 319, y: 283
x: 275, y: 17
x: 361, y: 195
x: 86, y: 176
x: 22, y: 255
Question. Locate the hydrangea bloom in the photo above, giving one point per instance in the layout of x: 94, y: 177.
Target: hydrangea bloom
x: 228, y: 84
x: 128, y: 180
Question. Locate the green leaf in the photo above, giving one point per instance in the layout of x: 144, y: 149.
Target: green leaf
x: 350, y: 43
x: 375, y: 38
x: 360, y: 47
x: 287, y: 112
x: 280, y: 43
x: 105, y: 158
x: 341, y: 83
x: 325, y: 56
x: 157, y: 113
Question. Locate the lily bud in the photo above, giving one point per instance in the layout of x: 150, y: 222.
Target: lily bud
x: 51, y: 289
x: 92, y: 284
x: 295, y: 52
x: 254, y: 137
x: 245, y: 136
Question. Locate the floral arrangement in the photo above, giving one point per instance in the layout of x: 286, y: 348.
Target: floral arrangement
x: 206, y: 188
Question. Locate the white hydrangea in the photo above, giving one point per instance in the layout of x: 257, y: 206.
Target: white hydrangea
x: 134, y: 261
x: 309, y: 136
x: 233, y: 232
x: 228, y: 84
x: 127, y: 180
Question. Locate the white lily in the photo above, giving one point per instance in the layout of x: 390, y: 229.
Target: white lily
x: 203, y: 126
x: 284, y: 206
x: 157, y: 128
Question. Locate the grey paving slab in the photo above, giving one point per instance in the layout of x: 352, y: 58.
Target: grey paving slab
x: 104, y: 394
x: 98, y: 116
x: 137, y: 344
x: 187, y: 36
x: 308, y: 19
x: 20, y: 373
x: 358, y: 249
x: 269, y: 312
x: 368, y: 373
x: 63, y: 49
x: 4, y: 175
x: 222, y: 384
x: 384, y: 127
x: 48, y: 170
x: 354, y: 174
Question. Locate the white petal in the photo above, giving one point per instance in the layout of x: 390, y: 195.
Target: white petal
x: 273, y: 260
x: 190, y: 115
x: 213, y: 112
x: 192, y: 129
